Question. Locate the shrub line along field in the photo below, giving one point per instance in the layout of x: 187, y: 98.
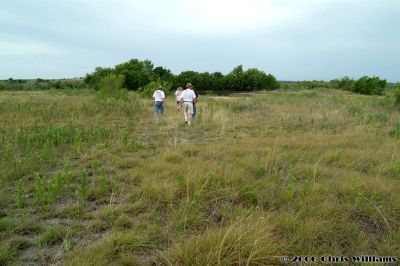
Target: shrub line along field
x: 91, y: 181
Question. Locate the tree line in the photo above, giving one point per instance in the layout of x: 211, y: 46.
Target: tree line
x: 41, y: 84
x: 143, y: 77
x: 138, y: 74
x: 364, y: 85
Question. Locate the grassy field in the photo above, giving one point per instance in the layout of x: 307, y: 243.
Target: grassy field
x: 85, y: 181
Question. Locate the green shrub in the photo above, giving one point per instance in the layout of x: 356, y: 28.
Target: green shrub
x: 148, y: 90
x: 367, y: 85
x: 111, y: 86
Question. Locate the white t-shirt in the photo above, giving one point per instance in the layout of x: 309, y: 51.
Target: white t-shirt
x: 178, y: 95
x: 188, y: 95
x: 158, y: 95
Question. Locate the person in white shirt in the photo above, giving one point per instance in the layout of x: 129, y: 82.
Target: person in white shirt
x: 187, y: 99
x: 159, y: 97
x: 178, y: 97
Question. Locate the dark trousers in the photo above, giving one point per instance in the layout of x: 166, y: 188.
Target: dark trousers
x: 158, y: 107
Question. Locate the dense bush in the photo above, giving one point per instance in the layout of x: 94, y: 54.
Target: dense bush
x: 249, y: 80
x: 365, y: 85
x: 93, y: 79
x: 137, y: 73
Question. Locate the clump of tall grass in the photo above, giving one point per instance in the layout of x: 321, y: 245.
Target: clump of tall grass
x: 53, y: 235
x: 246, y: 241
x: 117, y: 249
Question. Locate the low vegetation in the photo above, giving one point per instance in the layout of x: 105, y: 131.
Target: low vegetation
x: 89, y: 180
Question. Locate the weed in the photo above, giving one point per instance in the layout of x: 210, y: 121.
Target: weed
x: 20, y: 200
x: 83, y: 187
x: 40, y: 189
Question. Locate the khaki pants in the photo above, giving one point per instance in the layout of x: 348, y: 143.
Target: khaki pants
x: 188, y: 110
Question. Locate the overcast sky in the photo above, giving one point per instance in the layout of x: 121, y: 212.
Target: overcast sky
x: 291, y: 39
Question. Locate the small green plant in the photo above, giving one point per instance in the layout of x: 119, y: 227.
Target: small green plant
x: 123, y: 222
x: 181, y: 180
x: 258, y: 171
x: 103, y: 185
x: 67, y: 245
x: 20, y: 201
x: 40, y: 189
x: 47, y: 191
x: 83, y: 187
x: 248, y: 195
x: 56, y: 185
x: 69, y: 178
x: 306, y: 187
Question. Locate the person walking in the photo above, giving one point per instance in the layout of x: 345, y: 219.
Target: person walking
x: 159, y: 97
x: 187, y: 99
x: 178, y: 98
x: 195, y: 103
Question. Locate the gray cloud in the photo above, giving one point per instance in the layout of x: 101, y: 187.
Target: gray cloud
x: 293, y: 40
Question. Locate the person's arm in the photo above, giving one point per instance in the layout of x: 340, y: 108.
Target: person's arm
x: 194, y: 98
